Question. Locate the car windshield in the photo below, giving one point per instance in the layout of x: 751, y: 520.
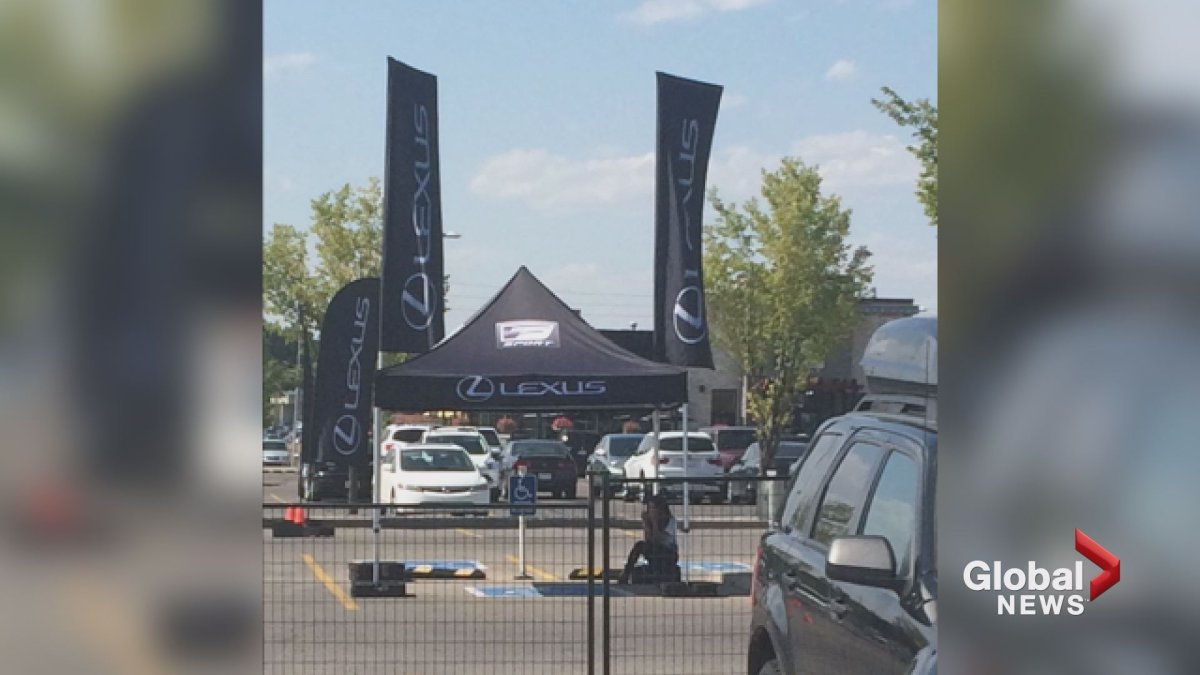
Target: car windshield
x: 734, y: 439
x: 695, y: 444
x: 408, y: 435
x: 548, y: 449
x: 624, y: 446
x: 491, y: 437
x: 472, y: 443
x: 274, y: 445
x: 435, y: 460
x: 790, y: 450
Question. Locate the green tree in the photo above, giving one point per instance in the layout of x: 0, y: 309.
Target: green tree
x: 922, y: 117
x: 782, y: 286
x: 279, y: 377
x: 345, y: 237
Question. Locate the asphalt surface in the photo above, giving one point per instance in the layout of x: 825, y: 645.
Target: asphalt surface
x: 499, y: 624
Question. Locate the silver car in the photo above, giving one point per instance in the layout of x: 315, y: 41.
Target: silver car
x: 275, y: 452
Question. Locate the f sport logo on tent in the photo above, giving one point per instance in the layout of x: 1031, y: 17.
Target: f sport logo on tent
x: 476, y: 388
x: 526, y: 333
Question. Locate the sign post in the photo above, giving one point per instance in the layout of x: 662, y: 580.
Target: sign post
x: 522, y: 502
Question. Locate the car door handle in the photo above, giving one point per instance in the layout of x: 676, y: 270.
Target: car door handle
x: 791, y: 579
x: 838, y: 606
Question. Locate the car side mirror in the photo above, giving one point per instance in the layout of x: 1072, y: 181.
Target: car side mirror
x: 494, y: 453
x: 867, y: 560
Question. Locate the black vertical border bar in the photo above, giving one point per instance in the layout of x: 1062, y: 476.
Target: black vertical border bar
x: 606, y: 523
x: 590, y: 565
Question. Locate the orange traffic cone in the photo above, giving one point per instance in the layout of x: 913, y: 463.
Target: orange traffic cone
x: 299, y: 516
x: 289, y: 514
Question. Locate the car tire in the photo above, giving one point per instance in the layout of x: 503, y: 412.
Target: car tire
x: 717, y: 499
x: 770, y: 668
x: 494, y: 495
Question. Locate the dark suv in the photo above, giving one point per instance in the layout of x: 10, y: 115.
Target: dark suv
x: 845, y: 581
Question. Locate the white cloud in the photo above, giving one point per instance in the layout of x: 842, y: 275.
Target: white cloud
x: 547, y: 181
x: 278, y: 63
x: 846, y: 160
x: 657, y: 11
x: 859, y: 158
x: 841, y: 70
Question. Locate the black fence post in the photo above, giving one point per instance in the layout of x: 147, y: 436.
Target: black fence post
x: 605, y: 493
x: 591, y: 579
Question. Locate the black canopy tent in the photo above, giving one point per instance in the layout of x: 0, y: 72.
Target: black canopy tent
x: 527, y: 350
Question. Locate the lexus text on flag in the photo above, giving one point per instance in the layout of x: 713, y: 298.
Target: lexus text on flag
x: 345, y: 375
x: 412, y: 215
x: 687, y: 116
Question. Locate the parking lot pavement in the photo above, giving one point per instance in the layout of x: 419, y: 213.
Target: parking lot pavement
x: 497, y: 624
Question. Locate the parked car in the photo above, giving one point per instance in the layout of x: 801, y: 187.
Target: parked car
x: 731, y: 442
x: 550, y: 461
x: 581, y: 444
x: 787, y: 454
x: 493, y: 439
x: 432, y: 473
x: 469, y: 439
x: 610, y: 455
x: 396, y: 436
x: 703, y: 462
x: 275, y: 452
x: 846, y: 582
x: 327, y: 480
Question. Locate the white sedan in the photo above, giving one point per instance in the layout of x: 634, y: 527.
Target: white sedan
x: 433, y: 473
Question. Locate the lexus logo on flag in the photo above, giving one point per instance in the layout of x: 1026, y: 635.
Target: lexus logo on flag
x: 418, y: 300
x: 689, y: 316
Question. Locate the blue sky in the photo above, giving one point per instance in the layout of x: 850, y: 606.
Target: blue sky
x: 547, y: 125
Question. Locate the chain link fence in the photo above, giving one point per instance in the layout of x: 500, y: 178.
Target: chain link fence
x: 458, y: 593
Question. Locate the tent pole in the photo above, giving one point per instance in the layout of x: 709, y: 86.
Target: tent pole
x: 686, y: 462
x: 654, y: 422
x: 376, y: 471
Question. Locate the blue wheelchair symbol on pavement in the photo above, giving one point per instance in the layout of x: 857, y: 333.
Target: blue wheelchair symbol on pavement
x: 522, y: 495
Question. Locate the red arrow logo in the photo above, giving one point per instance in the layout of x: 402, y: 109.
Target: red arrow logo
x: 1109, y: 563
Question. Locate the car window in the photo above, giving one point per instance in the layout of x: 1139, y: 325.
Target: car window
x: 751, y: 456
x: 491, y: 437
x: 543, y: 450
x: 408, y: 435
x: 274, y: 445
x: 892, y: 512
x: 805, y: 480
x: 734, y: 439
x: 472, y: 443
x: 435, y: 460
x: 695, y: 444
x: 623, y: 446
x: 846, y: 492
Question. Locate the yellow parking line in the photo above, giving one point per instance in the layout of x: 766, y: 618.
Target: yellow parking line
x: 466, y: 533
x: 332, y: 586
x: 278, y: 498
x: 631, y: 533
x: 541, y: 574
